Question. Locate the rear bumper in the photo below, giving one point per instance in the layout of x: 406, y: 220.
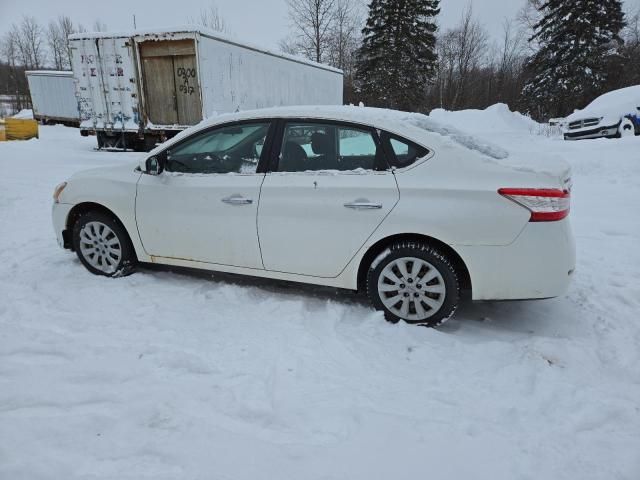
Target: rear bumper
x: 538, y: 264
x: 59, y: 215
x: 598, y: 132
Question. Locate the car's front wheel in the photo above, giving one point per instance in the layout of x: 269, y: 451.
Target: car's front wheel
x: 415, y: 283
x: 102, y: 245
x: 626, y: 129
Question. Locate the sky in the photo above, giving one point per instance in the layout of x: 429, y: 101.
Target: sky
x: 263, y: 22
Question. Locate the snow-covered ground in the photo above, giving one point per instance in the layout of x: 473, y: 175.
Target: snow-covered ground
x: 172, y: 376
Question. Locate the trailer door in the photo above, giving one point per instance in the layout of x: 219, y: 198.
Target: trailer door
x: 171, y: 85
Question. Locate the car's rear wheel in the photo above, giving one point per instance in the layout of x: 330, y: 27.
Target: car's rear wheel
x: 102, y: 245
x: 415, y: 283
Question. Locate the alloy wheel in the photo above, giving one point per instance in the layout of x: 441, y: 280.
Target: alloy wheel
x: 412, y: 289
x: 100, y: 247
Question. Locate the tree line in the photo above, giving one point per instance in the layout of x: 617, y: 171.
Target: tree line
x: 28, y: 45
x: 556, y: 55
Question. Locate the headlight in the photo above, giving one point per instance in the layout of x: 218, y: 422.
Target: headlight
x: 58, y: 191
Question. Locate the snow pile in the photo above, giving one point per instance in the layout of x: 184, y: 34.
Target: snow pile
x: 167, y: 376
x: 456, y: 134
x: 493, y: 120
x: 24, y: 114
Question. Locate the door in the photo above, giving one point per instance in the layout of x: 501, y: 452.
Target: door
x: 187, y: 89
x: 204, y: 206
x: 332, y: 188
x: 160, y: 90
x: 172, y: 90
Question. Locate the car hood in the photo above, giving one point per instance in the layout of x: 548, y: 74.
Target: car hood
x: 118, y: 171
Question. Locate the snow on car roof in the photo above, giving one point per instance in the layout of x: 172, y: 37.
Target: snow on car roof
x: 191, y: 29
x: 410, y: 125
x: 617, y: 102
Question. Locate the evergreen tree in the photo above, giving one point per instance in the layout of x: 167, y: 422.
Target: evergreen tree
x: 579, y: 42
x: 397, y: 59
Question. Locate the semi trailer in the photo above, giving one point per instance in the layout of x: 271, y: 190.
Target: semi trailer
x: 136, y: 89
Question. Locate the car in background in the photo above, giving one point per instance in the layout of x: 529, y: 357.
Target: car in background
x: 347, y: 197
x: 615, y: 114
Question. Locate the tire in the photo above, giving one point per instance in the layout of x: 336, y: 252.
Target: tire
x: 429, y: 304
x: 103, y: 245
x: 626, y: 129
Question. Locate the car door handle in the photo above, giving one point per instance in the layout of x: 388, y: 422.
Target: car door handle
x: 237, y: 200
x: 363, y: 205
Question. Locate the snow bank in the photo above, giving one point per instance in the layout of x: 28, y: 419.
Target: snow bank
x: 24, y: 114
x: 494, y: 120
x: 499, y: 124
x: 454, y: 133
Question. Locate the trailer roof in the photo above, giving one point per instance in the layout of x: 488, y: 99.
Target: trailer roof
x: 195, y: 29
x: 51, y: 73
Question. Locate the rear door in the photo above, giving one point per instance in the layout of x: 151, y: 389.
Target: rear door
x: 172, y: 90
x: 106, y: 91
x: 329, y: 189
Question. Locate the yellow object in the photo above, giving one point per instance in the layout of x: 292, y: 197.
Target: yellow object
x: 3, y: 137
x: 20, y: 129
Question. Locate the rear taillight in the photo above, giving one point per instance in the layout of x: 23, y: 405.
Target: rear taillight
x: 545, y: 204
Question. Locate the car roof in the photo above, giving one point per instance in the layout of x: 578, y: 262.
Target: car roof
x: 375, y: 117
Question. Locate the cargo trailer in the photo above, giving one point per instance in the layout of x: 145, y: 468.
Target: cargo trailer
x: 53, y: 96
x: 139, y: 88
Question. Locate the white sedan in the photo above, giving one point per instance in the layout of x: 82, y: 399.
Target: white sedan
x: 347, y: 197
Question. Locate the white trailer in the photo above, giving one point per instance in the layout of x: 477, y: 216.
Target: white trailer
x: 53, y: 96
x: 138, y: 88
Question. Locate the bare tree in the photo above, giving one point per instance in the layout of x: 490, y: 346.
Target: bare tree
x: 57, y: 45
x: 344, y: 34
x: 511, y: 53
x: 66, y: 28
x: 461, y: 51
x: 289, y: 45
x: 211, y: 19
x: 344, y: 41
x: 9, y: 47
x: 58, y: 42
x: 527, y: 18
x: 312, y: 21
x: 31, y: 42
x: 99, y: 26
x: 16, y: 85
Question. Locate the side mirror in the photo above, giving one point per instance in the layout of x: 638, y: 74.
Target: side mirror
x: 154, y: 165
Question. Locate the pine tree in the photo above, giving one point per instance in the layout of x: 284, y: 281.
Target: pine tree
x: 579, y: 42
x: 397, y: 59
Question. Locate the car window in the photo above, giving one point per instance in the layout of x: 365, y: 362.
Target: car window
x: 405, y: 151
x: 317, y: 146
x: 231, y: 149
